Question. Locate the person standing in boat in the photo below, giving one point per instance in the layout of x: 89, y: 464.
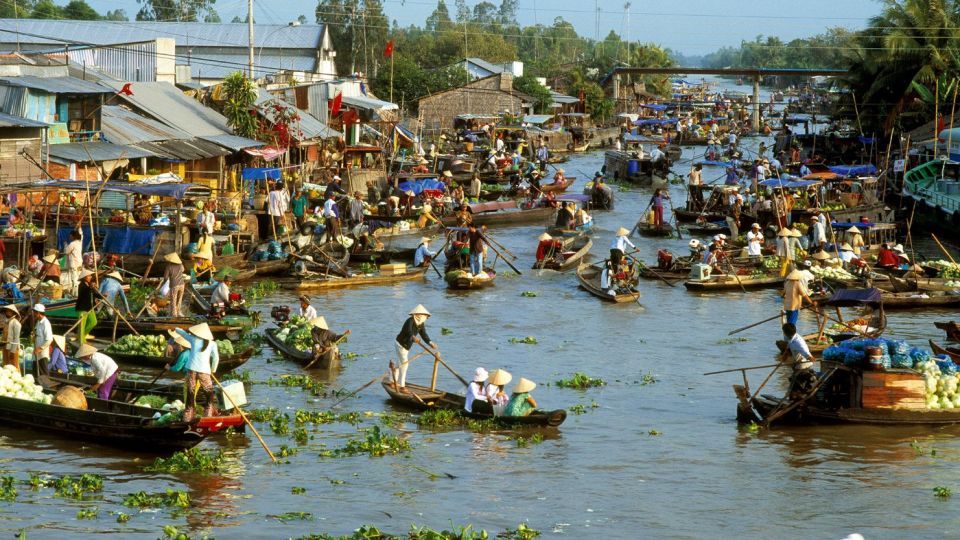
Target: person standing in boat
x: 298, y: 206
x: 173, y: 275
x: 73, y: 257
x: 657, y: 203
x: 111, y: 288
x: 476, y: 390
x: 818, y: 235
x: 204, y: 360
x: 105, y: 369
x: 423, y: 255
x: 42, y: 335
x: 755, y: 241
x: 331, y: 216
x: 618, y: 248
x: 475, y: 186
x: 794, y: 293
x: 696, y: 185
x: 797, y: 352
x: 11, y: 336
x: 414, y: 330
x: 564, y: 216
x: 87, y: 295
x: 307, y: 311
x: 542, y: 156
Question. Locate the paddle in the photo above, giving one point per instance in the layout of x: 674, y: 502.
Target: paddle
x: 510, y: 264
x: 777, y: 316
x: 245, y: 419
x: 947, y: 253
x: 673, y: 217
x: 319, y: 356
x: 122, y: 318
x: 375, y: 379
x: 436, y: 355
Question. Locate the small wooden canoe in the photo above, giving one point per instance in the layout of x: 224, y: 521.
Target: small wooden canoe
x: 727, y: 282
x: 422, y: 398
x: 576, y: 231
x: 589, y: 277
x: 270, y: 268
x: 951, y: 328
x: 125, y: 390
x: 150, y: 325
x: 356, y: 280
x: 227, y: 362
x: 921, y: 284
x: 504, y: 213
x: 571, y: 254
x: 663, y: 231
x: 330, y: 360
x: 911, y: 300
x: 461, y: 280
x: 557, y: 187
x: 707, y: 229
x: 952, y: 352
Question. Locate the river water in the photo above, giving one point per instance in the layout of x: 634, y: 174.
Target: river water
x: 660, y: 459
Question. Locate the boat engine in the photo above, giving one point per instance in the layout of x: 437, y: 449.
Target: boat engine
x: 280, y: 313
x: 217, y: 311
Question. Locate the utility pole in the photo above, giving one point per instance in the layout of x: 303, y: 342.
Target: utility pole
x: 250, y: 37
x: 626, y: 7
x: 596, y: 20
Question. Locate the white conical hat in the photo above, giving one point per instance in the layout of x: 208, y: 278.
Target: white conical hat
x: 784, y: 232
x: 85, y: 273
x: 202, y: 331
x: 524, y: 385
x: 499, y: 377
x: 115, y: 275
x: 420, y: 310
x: 319, y: 322
x: 181, y: 341
x: 853, y: 230
x: 85, y: 350
x: 796, y: 275
x: 545, y: 236
x: 61, y: 342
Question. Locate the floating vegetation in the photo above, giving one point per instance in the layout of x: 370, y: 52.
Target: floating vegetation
x: 350, y: 356
x: 243, y: 376
x: 752, y: 427
x: 280, y: 424
x: 190, y: 460
x: 263, y: 415
x: 122, y: 518
x: 76, y: 488
x: 304, y: 382
x: 170, y: 499
x: 287, y: 451
x: 730, y: 341
x: 8, y: 488
x: 393, y: 420
x: 172, y: 533
x: 259, y: 290
x: 301, y: 436
x: 88, y: 513
x: 580, y: 381
x: 942, y: 492
x: 482, y: 426
x: 302, y: 416
x: 647, y: 378
x: 436, y: 418
x: 376, y: 443
x: 529, y: 340
x: 297, y: 490
x: 522, y: 442
x: 445, y: 331
x: 291, y: 516
x: 463, y: 532
x: 528, y: 294
x: 654, y: 433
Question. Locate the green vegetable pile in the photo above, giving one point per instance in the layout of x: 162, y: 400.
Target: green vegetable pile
x: 154, y: 402
x: 297, y: 334
x: 225, y: 347
x: 140, y: 345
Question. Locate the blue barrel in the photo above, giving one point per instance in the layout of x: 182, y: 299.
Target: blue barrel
x: 633, y: 167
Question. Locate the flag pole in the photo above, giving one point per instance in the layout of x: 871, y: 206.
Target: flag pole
x: 391, y: 76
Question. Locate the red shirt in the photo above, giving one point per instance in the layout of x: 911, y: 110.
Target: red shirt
x: 887, y: 258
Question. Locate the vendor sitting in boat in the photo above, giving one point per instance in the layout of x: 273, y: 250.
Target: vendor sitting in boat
x: 423, y: 255
x: 559, y: 178
x: 203, y: 268
x: 476, y: 390
x: 565, y: 217
x: 521, y: 402
x: 464, y: 217
x: 221, y: 293
x: 548, y: 248
x: 496, y: 395
x: 307, y: 311
x: 325, y: 341
x: 426, y: 217
x: 887, y: 258
x: 105, y: 370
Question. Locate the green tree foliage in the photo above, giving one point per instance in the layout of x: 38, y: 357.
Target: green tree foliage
x: 411, y: 81
x: 439, y: 20
x: 239, y: 97
x: 46, y: 9
x: 530, y: 86
x: 177, y: 10
x: 359, y: 30
x: 79, y: 10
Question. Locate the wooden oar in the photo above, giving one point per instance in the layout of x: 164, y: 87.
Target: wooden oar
x: 510, y: 264
x: 245, y: 419
x: 937, y: 240
x: 436, y: 355
x: 117, y: 311
x: 358, y: 390
x: 314, y: 361
x: 153, y: 258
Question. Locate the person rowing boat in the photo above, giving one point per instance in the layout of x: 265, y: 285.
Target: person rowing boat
x: 324, y: 341
x: 414, y: 330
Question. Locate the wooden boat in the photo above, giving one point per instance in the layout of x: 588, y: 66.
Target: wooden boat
x: 952, y: 352
x: 61, y: 320
x: 423, y: 398
x: 951, y: 328
x: 463, y: 281
x: 329, y: 360
x: 125, y: 390
x: 589, y: 277
x: 728, y: 282
x: 897, y: 284
x: 227, y: 362
x: 707, y: 229
x: 572, y: 252
x: 665, y: 230
x: 112, y: 423
x: 912, y: 300
x: 576, y: 231
x: 558, y: 187
x: 504, y: 213
x: 270, y: 268
x: 381, y: 256
x: 354, y: 280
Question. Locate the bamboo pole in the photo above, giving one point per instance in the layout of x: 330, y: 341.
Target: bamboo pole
x: 245, y: 419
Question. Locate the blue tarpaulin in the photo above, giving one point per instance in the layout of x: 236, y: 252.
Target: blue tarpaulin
x: 787, y: 181
x: 175, y: 190
x: 260, y: 173
x: 854, y: 170
x: 417, y: 186
x: 710, y: 163
x: 846, y: 225
x: 855, y: 297
x: 654, y: 107
x: 122, y: 240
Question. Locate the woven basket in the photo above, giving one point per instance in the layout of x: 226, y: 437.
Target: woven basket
x: 72, y: 397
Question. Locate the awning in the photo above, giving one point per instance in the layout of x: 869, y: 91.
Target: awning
x: 855, y: 297
x: 854, y: 170
x: 232, y: 142
x: 260, y: 173
x: 417, y: 186
x: 790, y: 182
x: 654, y: 107
x: 537, y: 118
x: 166, y: 189
x: 96, y: 151
x: 269, y: 153
x: 369, y: 103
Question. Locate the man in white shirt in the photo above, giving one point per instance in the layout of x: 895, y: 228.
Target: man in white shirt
x: 656, y: 155
x: 206, y: 220
x: 500, y: 145
x: 755, y: 241
x: 42, y: 334
x: 105, y: 369
x: 221, y: 294
x: 618, y: 248
x: 73, y: 254
x: 277, y: 206
x: 818, y: 235
x: 306, y: 310
x: 331, y: 216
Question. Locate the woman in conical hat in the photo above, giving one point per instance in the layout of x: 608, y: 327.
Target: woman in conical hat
x: 175, y: 282
x: 414, y: 330
x: 521, y: 402
x: 203, y: 362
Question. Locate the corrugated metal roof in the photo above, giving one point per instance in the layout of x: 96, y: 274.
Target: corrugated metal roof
x: 537, y: 118
x: 184, y: 150
x: 9, y: 120
x: 562, y: 98
x: 310, y: 127
x: 205, y: 64
x: 122, y: 126
x: 55, y: 85
x: 232, y: 142
x: 189, y: 34
x: 99, y: 150
x: 369, y: 103
x: 486, y: 66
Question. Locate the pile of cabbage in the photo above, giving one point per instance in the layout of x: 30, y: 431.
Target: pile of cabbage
x: 942, y: 382
x: 831, y: 273
x: 945, y: 269
x: 296, y: 334
x: 13, y: 385
x: 140, y: 345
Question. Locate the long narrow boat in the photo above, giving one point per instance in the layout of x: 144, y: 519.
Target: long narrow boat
x: 270, y: 268
x: 952, y: 352
x: 726, y: 282
x: 589, y: 277
x: 227, y: 362
x: 951, y: 328
x: 572, y: 253
x: 462, y: 280
x: 558, y: 187
x: 329, y: 360
x: 357, y: 280
x: 921, y: 284
x: 650, y: 230
x: 576, y: 231
x: 914, y: 300
x: 113, y: 423
x: 503, y: 213
x: 423, y: 398
x: 125, y: 390
x: 61, y: 321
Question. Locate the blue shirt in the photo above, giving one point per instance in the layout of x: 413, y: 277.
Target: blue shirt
x: 204, y: 356
x: 421, y: 254
x: 110, y: 288
x: 181, y: 362
x: 58, y: 362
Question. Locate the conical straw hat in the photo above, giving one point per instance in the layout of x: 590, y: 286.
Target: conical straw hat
x: 500, y: 377
x: 544, y: 237
x: 796, y: 275
x: 202, y: 331
x: 85, y: 350
x: 622, y: 232
x: 420, y: 310
x: 524, y: 385
x: 172, y: 258
x: 319, y: 322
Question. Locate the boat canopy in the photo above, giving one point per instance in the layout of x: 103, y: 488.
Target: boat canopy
x: 654, y: 106
x: 855, y: 297
x: 789, y: 182
x: 170, y: 189
x: 854, y: 170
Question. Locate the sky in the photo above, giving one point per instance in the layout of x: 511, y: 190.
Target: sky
x: 691, y: 27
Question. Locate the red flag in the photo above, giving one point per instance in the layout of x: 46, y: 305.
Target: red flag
x: 336, y: 104
x: 125, y: 91
x: 941, y: 124
x: 350, y: 116
x: 388, y: 52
